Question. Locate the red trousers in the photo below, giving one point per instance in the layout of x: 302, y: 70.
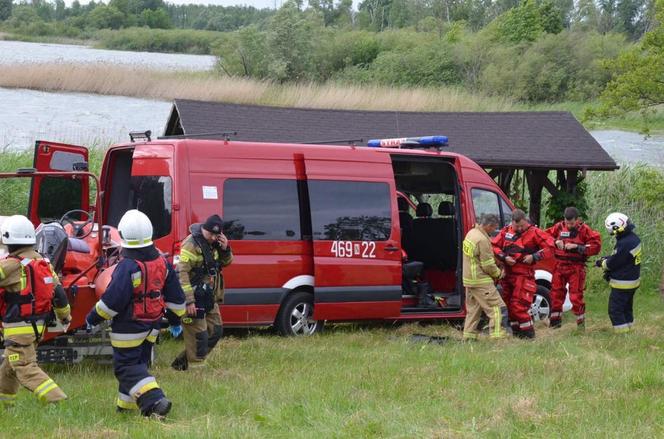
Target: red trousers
x: 518, y: 292
x: 574, y: 275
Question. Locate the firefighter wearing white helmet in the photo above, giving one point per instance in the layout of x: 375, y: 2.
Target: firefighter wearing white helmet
x: 135, y: 229
x: 29, y: 292
x: 622, y: 270
x: 143, y: 284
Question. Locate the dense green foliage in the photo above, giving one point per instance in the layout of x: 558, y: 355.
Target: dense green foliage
x: 534, y: 51
x: 638, y: 77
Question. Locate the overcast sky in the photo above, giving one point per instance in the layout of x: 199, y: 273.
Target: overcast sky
x: 255, y: 3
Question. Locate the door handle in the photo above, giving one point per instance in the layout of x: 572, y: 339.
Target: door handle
x: 391, y: 248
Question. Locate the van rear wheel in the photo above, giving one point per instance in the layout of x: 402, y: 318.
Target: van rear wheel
x: 296, y: 316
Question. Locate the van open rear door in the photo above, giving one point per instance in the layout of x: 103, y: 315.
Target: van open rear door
x: 51, y: 197
x: 355, y: 233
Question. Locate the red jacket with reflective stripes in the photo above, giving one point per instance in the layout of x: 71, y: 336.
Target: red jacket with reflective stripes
x: 531, y: 241
x: 588, y: 240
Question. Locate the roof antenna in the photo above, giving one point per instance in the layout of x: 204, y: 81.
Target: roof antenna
x: 140, y: 135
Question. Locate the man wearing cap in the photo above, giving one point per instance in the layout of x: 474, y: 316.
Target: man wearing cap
x: 203, y: 255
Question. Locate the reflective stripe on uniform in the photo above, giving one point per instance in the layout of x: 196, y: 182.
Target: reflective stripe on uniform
x: 178, y: 309
x: 62, y: 311
x: 553, y: 315
x: 2, y: 274
x: 636, y: 250
x: 487, y: 262
x: 624, y: 284
x: 470, y: 335
x: 472, y: 282
x: 152, y: 338
x: 525, y: 325
x: 187, y: 288
x: 622, y: 328
x: 24, y: 278
x: 128, y: 340
x: 187, y: 256
x: 104, y: 311
x: 126, y: 402
x: 497, y: 318
x: 144, y: 386
x: 22, y: 328
x: 44, y: 388
x: 7, y: 398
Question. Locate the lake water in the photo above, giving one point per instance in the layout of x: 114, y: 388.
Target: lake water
x: 82, y: 119
x: 86, y: 119
x: 16, y: 52
x: 28, y: 115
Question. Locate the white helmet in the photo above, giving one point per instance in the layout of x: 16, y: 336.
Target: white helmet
x: 17, y: 229
x: 135, y: 229
x: 616, y: 222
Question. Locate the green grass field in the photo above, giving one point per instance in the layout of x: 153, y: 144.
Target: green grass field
x: 373, y: 381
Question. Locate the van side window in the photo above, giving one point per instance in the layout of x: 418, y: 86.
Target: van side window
x: 350, y: 210
x: 506, y: 217
x: 256, y: 209
x: 485, y: 202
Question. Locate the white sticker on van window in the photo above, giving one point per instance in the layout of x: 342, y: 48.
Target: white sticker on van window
x: 210, y: 193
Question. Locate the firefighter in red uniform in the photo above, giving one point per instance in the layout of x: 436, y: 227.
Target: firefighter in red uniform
x: 520, y: 245
x: 575, y: 241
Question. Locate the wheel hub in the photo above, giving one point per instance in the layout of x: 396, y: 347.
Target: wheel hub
x: 301, y: 321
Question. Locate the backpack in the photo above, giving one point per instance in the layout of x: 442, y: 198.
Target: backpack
x: 148, y: 301
x: 36, y: 295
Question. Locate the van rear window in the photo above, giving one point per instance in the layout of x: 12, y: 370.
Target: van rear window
x: 257, y: 209
x: 151, y: 194
x: 350, y: 210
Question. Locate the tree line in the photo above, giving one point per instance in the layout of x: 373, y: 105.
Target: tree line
x: 535, y: 51
x: 629, y: 17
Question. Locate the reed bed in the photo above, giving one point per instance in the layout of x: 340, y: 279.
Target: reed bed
x: 209, y: 86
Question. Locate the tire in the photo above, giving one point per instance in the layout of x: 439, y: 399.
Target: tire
x: 294, y: 317
x: 541, y: 306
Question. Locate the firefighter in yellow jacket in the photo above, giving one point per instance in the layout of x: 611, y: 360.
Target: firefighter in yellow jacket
x: 203, y: 255
x: 480, y: 273
x: 29, y: 291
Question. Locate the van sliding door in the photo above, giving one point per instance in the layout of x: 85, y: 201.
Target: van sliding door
x: 357, y: 256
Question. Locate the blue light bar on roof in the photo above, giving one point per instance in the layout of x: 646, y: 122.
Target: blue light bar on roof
x: 397, y: 142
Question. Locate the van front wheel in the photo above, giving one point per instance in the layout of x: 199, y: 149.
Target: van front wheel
x: 541, y: 306
x: 296, y: 316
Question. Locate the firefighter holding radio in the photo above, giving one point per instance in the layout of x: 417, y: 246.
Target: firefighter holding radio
x: 203, y: 255
x: 29, y: 291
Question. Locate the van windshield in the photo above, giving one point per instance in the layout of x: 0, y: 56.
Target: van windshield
x: 151, y: 194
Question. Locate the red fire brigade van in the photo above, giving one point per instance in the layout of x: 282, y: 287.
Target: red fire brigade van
x: 319, y: 232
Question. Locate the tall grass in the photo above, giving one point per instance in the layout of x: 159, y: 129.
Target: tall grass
x: 117, y: 80
x: 638, y: 192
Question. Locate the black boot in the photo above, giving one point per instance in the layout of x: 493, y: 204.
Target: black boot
x: 555, y: 323
x: 526, y: 333
x: 180, y: 362
x: 159, y: 409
